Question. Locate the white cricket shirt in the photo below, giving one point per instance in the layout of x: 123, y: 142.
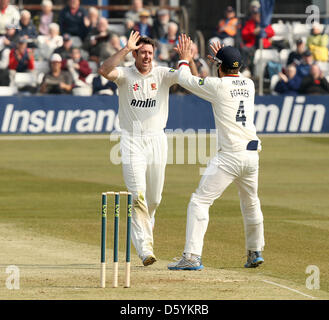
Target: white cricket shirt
x: 232, y: 99
x: 144, y: 99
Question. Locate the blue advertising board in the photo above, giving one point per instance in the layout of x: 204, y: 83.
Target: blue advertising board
x: 99, y: 114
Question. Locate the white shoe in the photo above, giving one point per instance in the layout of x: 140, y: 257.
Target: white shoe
x: 186, y: 264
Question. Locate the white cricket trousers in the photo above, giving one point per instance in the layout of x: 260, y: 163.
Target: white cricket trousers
x: 144, y: 159
x: 226, y: 167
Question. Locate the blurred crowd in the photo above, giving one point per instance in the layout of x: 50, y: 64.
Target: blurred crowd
x: 63, y: 49
x: 301, y: 73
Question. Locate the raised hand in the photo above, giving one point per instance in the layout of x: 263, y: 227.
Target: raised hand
x: 133, y: 38
x: 215, y: 47
x: 184, y: 47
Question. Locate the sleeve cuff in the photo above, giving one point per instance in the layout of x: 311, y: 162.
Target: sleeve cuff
x: 183, y: 63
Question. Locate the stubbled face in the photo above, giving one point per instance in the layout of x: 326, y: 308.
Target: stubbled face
x: 301, y: 47
x: 309, y: 59
x: 144, y: 19
x: 102, y: 25
x: 164, y: 18
x: 76, y: 55
x: 46, y: 9
x: 230, y: 14
x: 74, y: 4
x: 10, y: 32
x: 53, y: 32
x: 56, y: 66
x: 291, y: 72
x: 22, y: 47
x: 137, y: 5
x: 67, y: 44
x: 144, y: 58
x: 256, y: 17
x: 25, y: 19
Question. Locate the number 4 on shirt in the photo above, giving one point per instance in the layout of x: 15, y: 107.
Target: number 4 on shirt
x: 240, y: 117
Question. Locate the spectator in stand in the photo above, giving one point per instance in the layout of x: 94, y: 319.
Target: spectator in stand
x: 160, y: 26
x: 318, y: 43
x: 297, y: 56
x: 91, y: 20
x: 142, y: 26
x: 304, y: 68
x: 78, y: 67
x: 72, y: 19
x: 133, y: 14
x: 27, y: 29
x: 98, y: 40
x: 4, y: 63
x: 253, y: 6
x: 9, y: 14
x: 45, y: 18
x: 48, y: 43
x: 66, y: 49
x: 200, y: 63
x: 56, y: 81
x: 10, y: 38
x: 251, y: 34
x: 129, y: 26
x: 226, y: 28
x: 113, y: 47
x: 102, y: 86
x: 6, y: 44
x: 167, y: 55
x: 289, y: 83
x: 21, y: 59
x: 315, y: 82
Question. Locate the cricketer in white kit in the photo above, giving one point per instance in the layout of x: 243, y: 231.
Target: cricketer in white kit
x: 232, y: 99
x: 143, y: 114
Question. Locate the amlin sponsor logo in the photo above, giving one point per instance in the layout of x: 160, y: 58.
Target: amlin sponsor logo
x: 58, y: 121
x: 294, y: 116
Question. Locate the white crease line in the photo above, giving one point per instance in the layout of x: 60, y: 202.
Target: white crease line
x: 284, y: 287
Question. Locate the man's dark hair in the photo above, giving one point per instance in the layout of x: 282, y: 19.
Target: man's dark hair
x: 145, y: 40
x: 229, y: 70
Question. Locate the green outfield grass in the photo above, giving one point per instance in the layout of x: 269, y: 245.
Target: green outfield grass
x: 54, y: 187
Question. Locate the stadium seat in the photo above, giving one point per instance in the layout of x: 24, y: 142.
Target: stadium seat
x: 117, y: 28
x: 8, y: 91
x: 266, y: 56
x: 281, y: 31
x: 284, y: 54
x: 300, y: 30
x: 82, y: 91
x: 93, y: 66
x: 324, y: 66
x: 76, y: 41
x: 22, y: 79
x: 42, y: 66
x: 90, y: 78
x: 274, y: 80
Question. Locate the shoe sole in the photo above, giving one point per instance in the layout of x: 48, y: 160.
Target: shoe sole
x: 254, y: 264
x: 187, y: 268
x: 148, y: 261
